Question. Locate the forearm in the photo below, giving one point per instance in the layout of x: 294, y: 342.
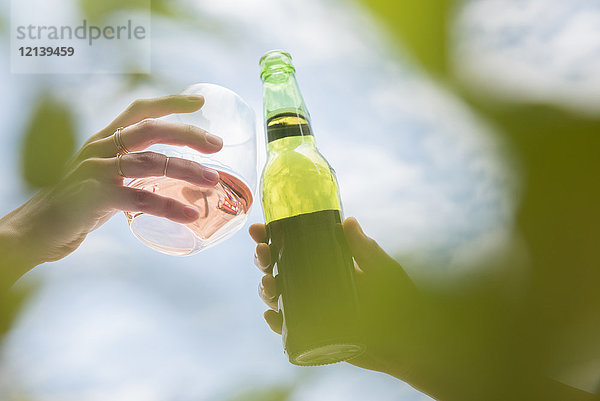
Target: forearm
x: 16, y: 257
x: 455, y: 385
x: 471, y: 348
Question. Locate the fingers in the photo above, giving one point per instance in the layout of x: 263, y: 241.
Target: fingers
x: 137, y: 200
x: 156, y: 107
x: 267, y: 290
x: 367, y: 253
x: 258, y: 232
x: 274, y: 320
x: 262, y: 255
x: 148, y: 164
x: 375, y: 262
x: 262, y: 258
x: 148, y: 132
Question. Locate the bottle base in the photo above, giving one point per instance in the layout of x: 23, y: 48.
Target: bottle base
x: 327, y: 354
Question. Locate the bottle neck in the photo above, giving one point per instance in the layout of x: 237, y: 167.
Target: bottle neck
x: 286, y: 114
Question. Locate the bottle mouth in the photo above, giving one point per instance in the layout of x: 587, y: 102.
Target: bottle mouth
x: 274, y: 62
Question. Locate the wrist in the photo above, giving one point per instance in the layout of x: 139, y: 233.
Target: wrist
x: 16, y: 257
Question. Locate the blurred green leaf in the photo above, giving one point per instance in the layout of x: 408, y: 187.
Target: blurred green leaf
x: 99, y: 11
x: 132, y: 81
x: 49, y: 142
x: 422, y: 26
x: 12, y: 298
x: 10, y: 305
x: 279, y: 393
x: 559, y: 212
x: 557, y: 154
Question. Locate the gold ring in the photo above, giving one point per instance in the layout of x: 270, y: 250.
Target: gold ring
x: 166, y: 166
x: 119, y: 165
x: 121, y: 148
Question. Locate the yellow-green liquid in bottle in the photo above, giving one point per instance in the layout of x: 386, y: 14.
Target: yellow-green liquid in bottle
x: 313, y: 268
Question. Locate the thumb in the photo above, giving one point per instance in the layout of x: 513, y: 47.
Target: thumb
x: 367, y: 253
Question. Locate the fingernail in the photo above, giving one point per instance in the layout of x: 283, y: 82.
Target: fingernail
x: 268, y: 285
x: 196, y: 99
x: 190, y: 211
x: 210, y: 175
x: 359, y: 227
x: 214, y: 140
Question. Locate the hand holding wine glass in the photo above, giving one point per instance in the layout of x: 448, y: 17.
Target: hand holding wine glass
x: 56, y: 220
x: 222, y: 208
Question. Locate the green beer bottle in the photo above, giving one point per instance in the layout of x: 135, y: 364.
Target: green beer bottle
x: 313, y: 268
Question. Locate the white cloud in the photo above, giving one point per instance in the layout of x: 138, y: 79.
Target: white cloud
x: 534, y: 50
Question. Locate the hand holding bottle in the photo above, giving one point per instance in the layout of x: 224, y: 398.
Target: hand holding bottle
x: 389, y: 300
x: 436, y: 341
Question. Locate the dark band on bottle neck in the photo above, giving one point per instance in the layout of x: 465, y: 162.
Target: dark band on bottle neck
x: 283, y: 130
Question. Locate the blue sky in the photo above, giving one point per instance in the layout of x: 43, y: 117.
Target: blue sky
x: 425, y: 177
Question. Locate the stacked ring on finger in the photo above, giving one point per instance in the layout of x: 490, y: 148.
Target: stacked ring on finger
x: 119, y: 155
x: 146, y: 133
x: 166, y: 166
x: 121, y: 148
x: 151, y: 164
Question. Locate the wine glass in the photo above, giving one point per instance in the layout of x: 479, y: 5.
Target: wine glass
x: 223, y: 209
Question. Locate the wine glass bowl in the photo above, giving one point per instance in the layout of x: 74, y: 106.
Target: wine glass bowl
x: 222, y: 209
